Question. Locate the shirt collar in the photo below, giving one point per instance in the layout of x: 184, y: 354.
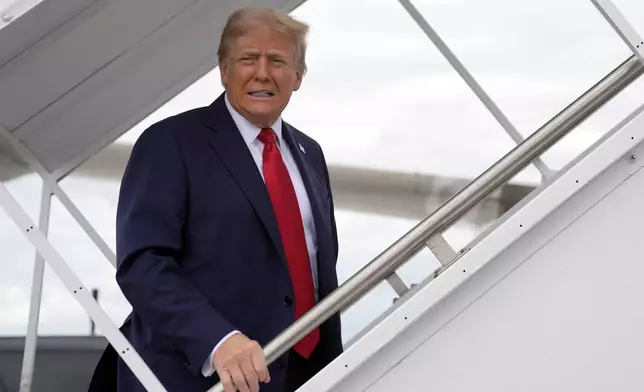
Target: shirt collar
x: 248, y: 130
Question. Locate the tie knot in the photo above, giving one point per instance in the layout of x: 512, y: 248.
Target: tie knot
x: 267, y: 135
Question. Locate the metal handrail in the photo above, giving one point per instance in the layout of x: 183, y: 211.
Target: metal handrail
x: 413, y: 242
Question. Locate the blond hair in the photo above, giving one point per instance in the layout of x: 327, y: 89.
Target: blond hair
x: 242, y: 20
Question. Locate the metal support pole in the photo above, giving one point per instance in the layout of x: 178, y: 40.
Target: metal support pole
x: 53, y: 185
x: 92, y: 324
x: 31, y: 339
x: 396, y: 283
x: 623, y: 28
x: 80, y: 293
x: 469, y: 79
x: 441, y: 249
x: 412, y: 242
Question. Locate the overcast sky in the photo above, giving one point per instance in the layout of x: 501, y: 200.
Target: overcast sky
x: 378, y: 94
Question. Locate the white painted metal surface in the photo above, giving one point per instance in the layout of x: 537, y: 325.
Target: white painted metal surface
x: 10, y: 10
x: 621, y: 25
x: 52, y: 183
x: 76, y: 74
x: 548, y: 299
x: 79, y: 291
x: 29, y: 357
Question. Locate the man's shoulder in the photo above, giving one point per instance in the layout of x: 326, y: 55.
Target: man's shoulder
x: 173, y: 128
x: 180, y: 120
x: 303, y: 138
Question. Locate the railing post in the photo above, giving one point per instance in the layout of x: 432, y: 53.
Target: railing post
x: 79, y: 292
x: 52, y: 183
x: 31, y: 338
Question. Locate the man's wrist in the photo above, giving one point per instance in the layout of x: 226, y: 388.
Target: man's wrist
x: 208, y: 367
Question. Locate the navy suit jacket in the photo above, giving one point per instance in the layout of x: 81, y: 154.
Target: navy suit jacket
x: 199, y: 252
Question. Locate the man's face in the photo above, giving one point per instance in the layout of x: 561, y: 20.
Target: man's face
x: 260, y: 74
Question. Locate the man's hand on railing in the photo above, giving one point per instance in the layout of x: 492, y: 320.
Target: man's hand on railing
x: 241, y: 365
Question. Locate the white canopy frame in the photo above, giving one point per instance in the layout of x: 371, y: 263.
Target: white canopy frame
x: 37, y: 235
x: 38, y: 238
x: 458, y: 66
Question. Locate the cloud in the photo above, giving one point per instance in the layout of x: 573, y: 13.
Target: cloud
x: 379, y: 93
x: 376, y: 78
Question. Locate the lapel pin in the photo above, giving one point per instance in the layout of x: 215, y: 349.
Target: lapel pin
x: 301, y: 148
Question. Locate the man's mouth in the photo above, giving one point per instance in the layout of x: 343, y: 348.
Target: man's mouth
x: 261, y: 94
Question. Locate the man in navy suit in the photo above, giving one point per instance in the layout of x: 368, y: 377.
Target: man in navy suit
x: 225, y: 227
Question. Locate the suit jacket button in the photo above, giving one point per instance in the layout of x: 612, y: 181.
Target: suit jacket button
x: 181, y: 358
x: 288, y: 301
x: 279, y: 363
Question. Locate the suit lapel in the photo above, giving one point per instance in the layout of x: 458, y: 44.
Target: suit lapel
x: 310, y: 179
x: 228, y: 143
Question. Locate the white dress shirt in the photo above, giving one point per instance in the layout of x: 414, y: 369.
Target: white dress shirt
x: 250, y: 132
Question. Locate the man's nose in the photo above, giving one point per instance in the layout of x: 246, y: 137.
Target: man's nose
x: 261, y: 69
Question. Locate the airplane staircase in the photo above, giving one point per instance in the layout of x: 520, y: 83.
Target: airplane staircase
x: 545, y: 299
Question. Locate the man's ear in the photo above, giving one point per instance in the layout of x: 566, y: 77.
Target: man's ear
x: 298, y: 81
x: 223, y: 72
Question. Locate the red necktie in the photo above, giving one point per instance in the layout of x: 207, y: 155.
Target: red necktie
x: 289, y: 221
